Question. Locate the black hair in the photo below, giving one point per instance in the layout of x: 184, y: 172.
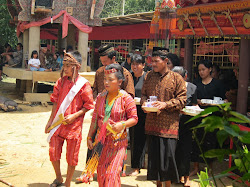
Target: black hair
x: 207, y: 63
x: 181, y: 70
x: 77, y: 56
x: 69, y: 47
x: 138, y: 59
x: 119, y: 74
x: 7, y: 45
x: 159, y: 54
x: 112, y: 54
x: 21, y: 45
x: 34, y: 52
x: 174, y: 59
x: 216, y: 67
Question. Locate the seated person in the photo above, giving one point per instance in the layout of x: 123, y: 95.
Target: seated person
x: 51, y: 63
x: 34, y: 62
x: 60, y: 59
x: 15, y: 59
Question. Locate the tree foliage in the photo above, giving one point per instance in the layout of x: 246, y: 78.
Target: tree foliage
x: 114, y: 8
x: 7, y: 32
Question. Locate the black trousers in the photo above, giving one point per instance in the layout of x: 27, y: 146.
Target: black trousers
x: 138, y: 140
x: 161, y: 159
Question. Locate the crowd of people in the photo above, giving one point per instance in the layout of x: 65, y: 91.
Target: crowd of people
x: 164, y: 135
x: 42, y: 60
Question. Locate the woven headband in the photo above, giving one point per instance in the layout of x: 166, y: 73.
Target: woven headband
x: 113, y: 70
x: 69, y: 59
x: 107, y: 51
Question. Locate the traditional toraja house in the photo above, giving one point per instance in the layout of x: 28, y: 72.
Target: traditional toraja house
x: 65, y: 22
x: 68, y: 17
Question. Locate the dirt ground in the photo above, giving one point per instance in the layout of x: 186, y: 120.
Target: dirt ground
x: 24, y: 159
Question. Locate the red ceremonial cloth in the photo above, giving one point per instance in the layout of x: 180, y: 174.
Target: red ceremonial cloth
x: 123, y: 32
x: 21, y: 26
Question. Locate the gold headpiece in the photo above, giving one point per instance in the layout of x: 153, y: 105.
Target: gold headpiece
x: 113, y: 70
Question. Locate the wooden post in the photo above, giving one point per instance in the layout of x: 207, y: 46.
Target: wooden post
x: 92, y: 60
x: 71, y: 38
x: 83, y: 49
x: 130, y: 46
x: 20, y: 39
x: 244, y: 66
x: 25, y: 47
x: 188, y: 57
x: 34, y: 42
x: 59, y: 37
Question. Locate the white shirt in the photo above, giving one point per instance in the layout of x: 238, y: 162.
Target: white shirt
x: 34, y: 62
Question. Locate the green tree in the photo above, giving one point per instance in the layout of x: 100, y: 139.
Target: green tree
x: 114, y: 8
x: 7, y: 31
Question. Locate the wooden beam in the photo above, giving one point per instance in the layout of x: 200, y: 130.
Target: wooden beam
x: 18, y: 73
x: 37, y: 97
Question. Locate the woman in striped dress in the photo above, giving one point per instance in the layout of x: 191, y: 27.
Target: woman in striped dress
x: 115, y: 109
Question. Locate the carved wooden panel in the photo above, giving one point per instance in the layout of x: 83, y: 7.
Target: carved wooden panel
x: 81, y: 11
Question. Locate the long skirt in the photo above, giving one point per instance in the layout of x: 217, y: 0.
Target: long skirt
x: 184, y: 146
x: 110, y: 163
x: 138, y: 140
x: 161, y: 159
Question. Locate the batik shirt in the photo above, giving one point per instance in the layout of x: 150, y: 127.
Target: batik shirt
x: 170, y: 88
x: 83, y: 99
x: 127, y: 85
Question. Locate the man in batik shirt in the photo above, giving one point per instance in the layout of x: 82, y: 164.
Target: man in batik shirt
x: 108, y: 56
x: 162, y: 126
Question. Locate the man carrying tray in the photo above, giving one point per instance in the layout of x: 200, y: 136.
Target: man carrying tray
x: 72, y: 97
x: 162, y: 127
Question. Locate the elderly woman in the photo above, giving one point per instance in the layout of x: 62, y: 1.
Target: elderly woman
x: 114, y: 110
x: 137, y: 133
x: 184, y: 144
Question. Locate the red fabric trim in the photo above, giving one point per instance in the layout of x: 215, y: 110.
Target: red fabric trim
x: 21, y: 26
x: 129, y: 32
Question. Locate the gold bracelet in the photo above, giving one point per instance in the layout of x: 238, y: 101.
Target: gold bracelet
x: 89, y: 138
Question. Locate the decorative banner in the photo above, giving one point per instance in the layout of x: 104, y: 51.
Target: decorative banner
x: 21, y: 26
x: 168, y: 4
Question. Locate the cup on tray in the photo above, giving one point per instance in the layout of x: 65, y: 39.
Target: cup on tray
x: 150, y: 101
x: 218, y: 100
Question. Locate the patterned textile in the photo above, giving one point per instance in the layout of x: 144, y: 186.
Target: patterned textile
x: 187, y: 2
x: 168, y: 4
x: 18, y: 57
x: 170, y: 88
x: 161, y: 25
x: 110, y: 162
x: 154, y: 29
x: 83, y: 99
x: 42, y: 58
x: 73, y: 147
x: 127, y: 85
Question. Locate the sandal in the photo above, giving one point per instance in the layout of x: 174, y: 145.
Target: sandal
x: 134, y: 173
x: 55, y: 183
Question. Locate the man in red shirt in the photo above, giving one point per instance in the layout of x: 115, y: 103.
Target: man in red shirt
x: 72, y: 97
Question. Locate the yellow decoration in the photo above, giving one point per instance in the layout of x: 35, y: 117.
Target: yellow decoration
x: 60, y: 121
x: 216, y: 7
